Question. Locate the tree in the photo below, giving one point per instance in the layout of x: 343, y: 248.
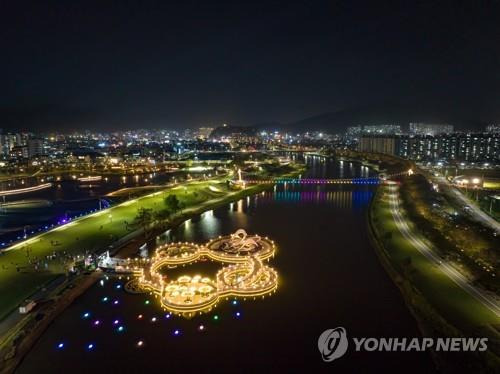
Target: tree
x: 172, y: 204
x: 162, y: 216
x: 143, y: 220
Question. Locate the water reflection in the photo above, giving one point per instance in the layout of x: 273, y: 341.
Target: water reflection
x: 208, y: 224
x: 339, y: 198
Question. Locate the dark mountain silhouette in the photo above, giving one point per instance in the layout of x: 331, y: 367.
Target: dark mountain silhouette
x: 337, y: 122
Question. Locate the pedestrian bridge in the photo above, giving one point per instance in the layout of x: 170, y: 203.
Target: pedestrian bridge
x: 313, y: 181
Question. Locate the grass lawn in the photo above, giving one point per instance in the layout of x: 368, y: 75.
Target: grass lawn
x: 446, y: 297
x: 89, y: 233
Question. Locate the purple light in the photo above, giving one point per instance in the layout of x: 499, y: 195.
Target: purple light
x: 176, y: 332
x: 238, y: 314
x: 115, y: 302
x: 116, y: 322
x: 96, y: 323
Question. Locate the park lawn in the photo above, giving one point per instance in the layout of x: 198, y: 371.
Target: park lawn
x: 450, y: 300
x: 89, y: 233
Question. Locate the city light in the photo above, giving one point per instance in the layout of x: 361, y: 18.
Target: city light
x: 25, y: 190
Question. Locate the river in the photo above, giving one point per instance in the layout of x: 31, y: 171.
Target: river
x: 329, y: 276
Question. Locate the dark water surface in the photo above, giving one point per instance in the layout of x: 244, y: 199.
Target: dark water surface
x: 329, y: 277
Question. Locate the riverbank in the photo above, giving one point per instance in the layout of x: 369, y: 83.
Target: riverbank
x: 441, y: 307
x: 131, y: 247
x: 26, y: 332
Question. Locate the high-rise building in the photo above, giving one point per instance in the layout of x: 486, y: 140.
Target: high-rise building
x: 430, y: 128
x: 382, y: 129
x: 378, y: 144
x: 354, y: 131
x: 472, y: 147
x: 35, y: 147
x: 493, y: 129
x: 19, y: 151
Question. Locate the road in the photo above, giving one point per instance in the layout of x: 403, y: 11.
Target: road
x: 485, y: 299
x: 475, y: 212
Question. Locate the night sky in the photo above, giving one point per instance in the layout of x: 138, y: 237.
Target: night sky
x: 121, y: 64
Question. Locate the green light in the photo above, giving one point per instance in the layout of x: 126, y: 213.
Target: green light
x: 146, y: 302
x: 216, y: 317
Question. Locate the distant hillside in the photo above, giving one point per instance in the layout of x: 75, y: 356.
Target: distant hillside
x: 222, y: 131
x: 337, y: 122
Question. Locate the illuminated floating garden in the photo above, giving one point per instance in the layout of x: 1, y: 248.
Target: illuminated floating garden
x: 245, y: 276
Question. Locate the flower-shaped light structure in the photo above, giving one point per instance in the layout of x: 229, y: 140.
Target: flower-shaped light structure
x: 245, y: 276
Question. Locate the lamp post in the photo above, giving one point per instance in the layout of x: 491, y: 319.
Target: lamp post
x: 475, y: 182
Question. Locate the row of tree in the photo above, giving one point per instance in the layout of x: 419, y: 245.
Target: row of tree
x: 147, y: 218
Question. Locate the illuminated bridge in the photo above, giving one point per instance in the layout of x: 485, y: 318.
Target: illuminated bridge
x: 314, y: 181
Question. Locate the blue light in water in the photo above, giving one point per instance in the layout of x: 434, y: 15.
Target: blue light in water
x: 86, y: 315
x: 60, y: 346
x: 104, y: 299
x: 235, y: 302
x: 90, y: 346
x: 238, y: 314
x: 120, y: 329
x: 118, y: 286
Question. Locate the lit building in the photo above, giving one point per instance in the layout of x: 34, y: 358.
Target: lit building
x: 382, y: 129
x: 493, y: 129
x: 204, y: 132
x: 456, y: 146
x: 378, y: 144
x: 35, y: 147
x: 354, y: 131
x: 19, y: 151
x: 430, y: 128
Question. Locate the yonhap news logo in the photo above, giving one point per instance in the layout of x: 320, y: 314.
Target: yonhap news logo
x: 333, y: 344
